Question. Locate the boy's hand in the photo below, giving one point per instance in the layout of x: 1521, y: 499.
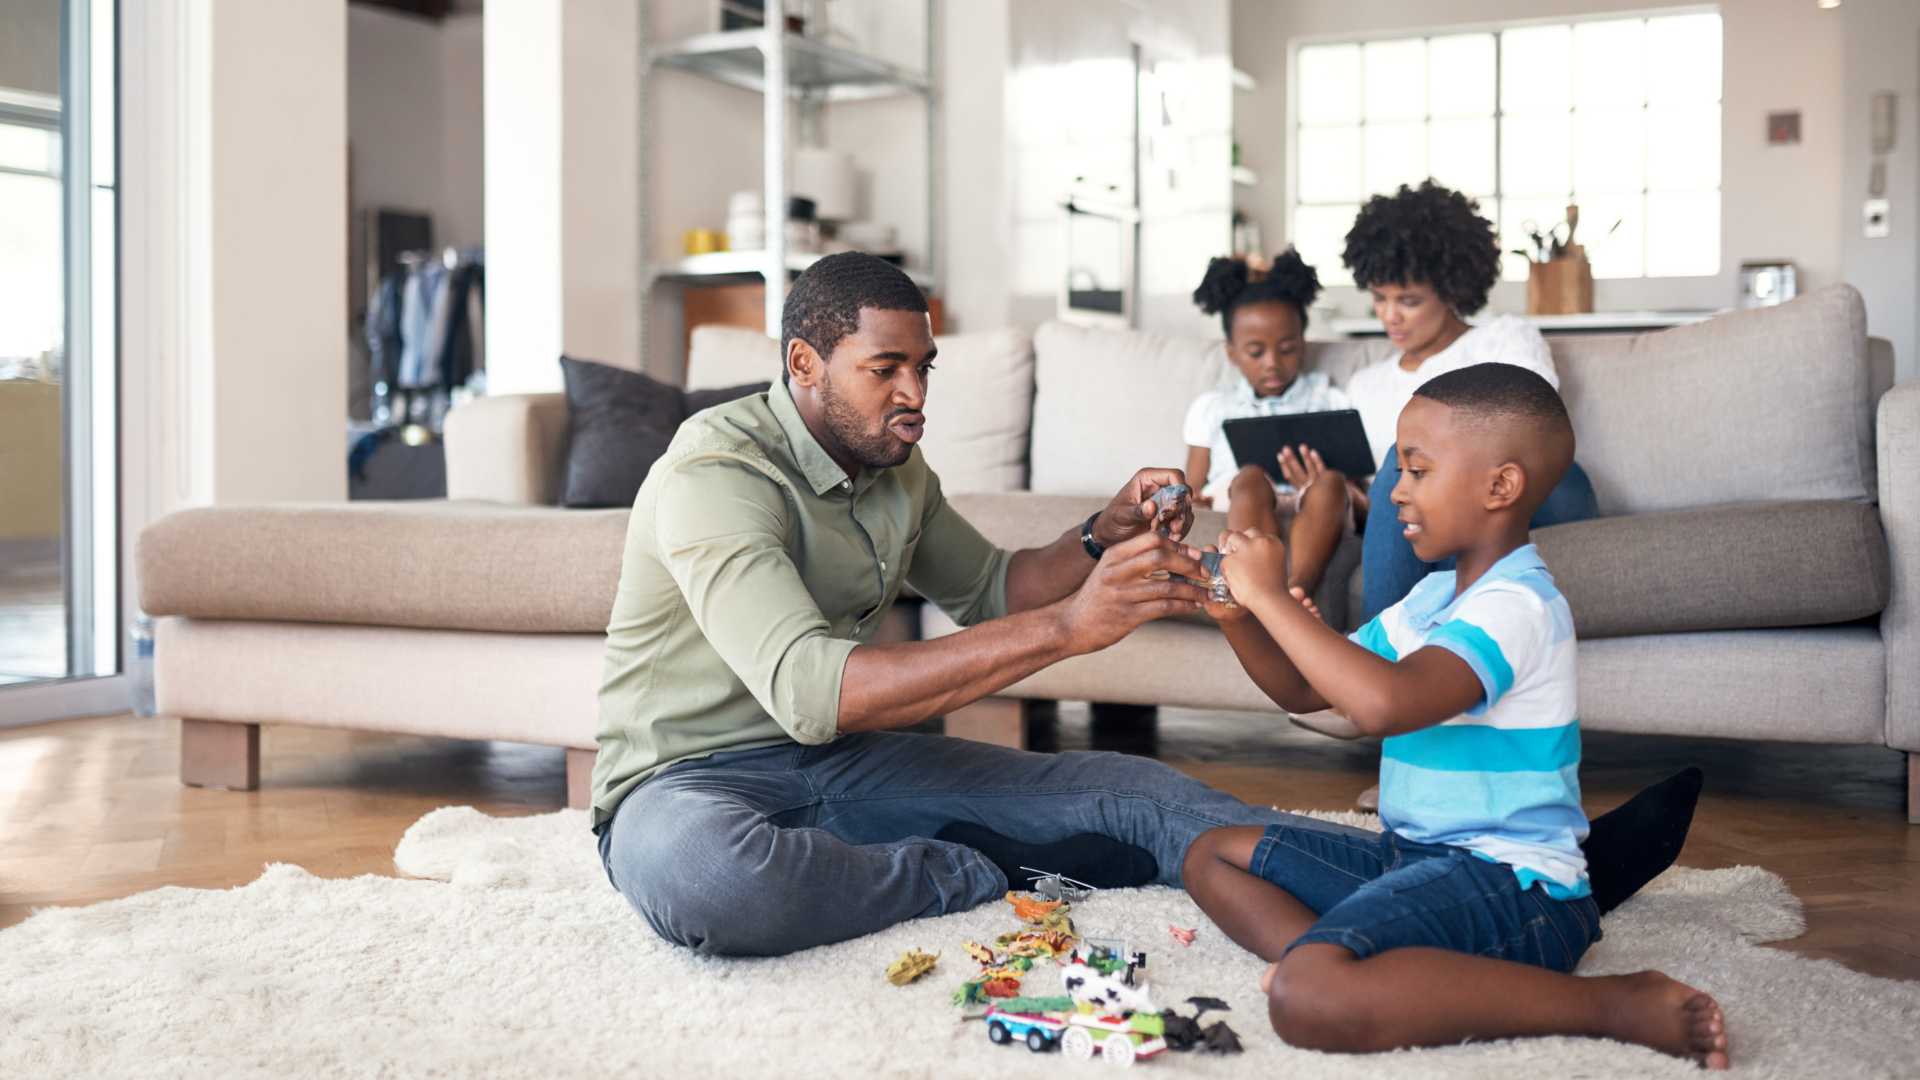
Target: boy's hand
x: 1219, y: 612
x: 1256, y: 564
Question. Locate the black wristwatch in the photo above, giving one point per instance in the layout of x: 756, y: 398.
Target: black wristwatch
x: 1094, y: 547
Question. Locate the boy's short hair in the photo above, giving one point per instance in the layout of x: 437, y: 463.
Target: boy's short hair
x: 825, y: 302
x: 1515, y: 400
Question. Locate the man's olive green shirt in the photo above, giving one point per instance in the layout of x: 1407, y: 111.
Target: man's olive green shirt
x: 753, y: 567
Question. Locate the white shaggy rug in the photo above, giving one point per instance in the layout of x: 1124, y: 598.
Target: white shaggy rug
x: 516, y: 959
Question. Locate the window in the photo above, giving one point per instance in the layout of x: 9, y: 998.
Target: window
x: 1619, y: 116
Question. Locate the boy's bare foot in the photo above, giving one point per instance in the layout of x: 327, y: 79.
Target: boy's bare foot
x: 1671, y: 1017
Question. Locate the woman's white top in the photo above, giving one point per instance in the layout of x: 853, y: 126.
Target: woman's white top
x: 1382, y: 390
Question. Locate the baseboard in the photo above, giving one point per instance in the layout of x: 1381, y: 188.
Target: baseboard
x: 63, y: 699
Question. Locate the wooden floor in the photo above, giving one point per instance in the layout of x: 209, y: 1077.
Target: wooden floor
x: 92, y: 809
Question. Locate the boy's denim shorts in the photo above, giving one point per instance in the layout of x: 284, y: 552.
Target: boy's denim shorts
x: 1380, y: 891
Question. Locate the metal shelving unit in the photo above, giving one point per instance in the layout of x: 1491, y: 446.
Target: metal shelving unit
x: 786, y: 67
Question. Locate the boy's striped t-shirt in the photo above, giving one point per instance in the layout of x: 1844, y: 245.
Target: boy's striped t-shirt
x: 1501, y: 779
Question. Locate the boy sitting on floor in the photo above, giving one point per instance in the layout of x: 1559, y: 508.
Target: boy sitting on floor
x: 1466, y: 917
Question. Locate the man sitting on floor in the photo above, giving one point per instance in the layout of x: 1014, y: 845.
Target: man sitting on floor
x: 748, y: 796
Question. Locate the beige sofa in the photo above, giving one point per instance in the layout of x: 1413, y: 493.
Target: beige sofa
x: 1753, y: 576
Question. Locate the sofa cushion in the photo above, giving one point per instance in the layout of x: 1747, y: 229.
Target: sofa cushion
x: 979, y: 401
x: 1775, y: 403
x: 445, y: 565
x: 1734, y: 567
x: 1109, y: 402
x: 980, y: 411
x: 619, y: 422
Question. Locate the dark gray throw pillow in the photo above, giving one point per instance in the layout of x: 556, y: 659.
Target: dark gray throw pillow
x: 620, y: 423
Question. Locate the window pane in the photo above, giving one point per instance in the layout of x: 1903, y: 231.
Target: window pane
x: 1609, y: 63
x: 1683, y: 147
x: 1396, y: 154
x: 1329, y: 164
x: 1460, y: 75
x: 1320, y: 232
x: 1460, y: 154
x: 1609, y: 150
x: 1535, y: 154
x: 29, y: 149
x: 1396, y: 78
x: 1522, y: 215
x: 1683, y: 233
x: 1614, y: 251
x: 1329, y: 84
x: 1683, y: 60
x: 1535, y: 62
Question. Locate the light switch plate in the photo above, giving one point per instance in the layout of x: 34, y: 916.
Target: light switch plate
x: 1873, y: 219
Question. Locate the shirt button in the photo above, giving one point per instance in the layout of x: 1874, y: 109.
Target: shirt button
x: 883, y: 564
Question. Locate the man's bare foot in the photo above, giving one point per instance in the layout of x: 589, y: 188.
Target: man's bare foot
x: 1671, y: 1017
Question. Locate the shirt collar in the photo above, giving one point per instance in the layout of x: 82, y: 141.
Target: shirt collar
x: 1432, y: 601
x: 821, y: 471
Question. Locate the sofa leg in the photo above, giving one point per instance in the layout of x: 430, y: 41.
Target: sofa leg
x: 218, y: 754
x: 1000, y: 721
x: 1913, y: 787
x: 579, y: 778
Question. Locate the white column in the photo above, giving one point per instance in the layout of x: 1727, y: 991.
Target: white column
x: 233, y: 254
x: 562, y: 188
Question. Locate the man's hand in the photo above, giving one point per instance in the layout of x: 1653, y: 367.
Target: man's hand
x: 1256, y: 565
x: 1123, y: 592
x: 1132, y: 511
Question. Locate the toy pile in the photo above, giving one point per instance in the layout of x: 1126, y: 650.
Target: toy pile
x: 1105, y: 1008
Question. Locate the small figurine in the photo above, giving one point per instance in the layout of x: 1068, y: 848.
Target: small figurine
x: 1029, y: 910
x: 1181, y: 934
x: 1167, y: 504
x: 1054, y: 886
x: 912, y: 964
x: 1185, y: 1033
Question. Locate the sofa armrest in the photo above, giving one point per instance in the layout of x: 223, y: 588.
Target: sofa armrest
x: 510, y: 448
x: 1898, y: 432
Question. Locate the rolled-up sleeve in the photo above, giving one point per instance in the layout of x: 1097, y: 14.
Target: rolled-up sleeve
x: 955, y: 567
x: 721, y: 528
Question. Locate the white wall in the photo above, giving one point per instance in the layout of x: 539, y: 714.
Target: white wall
x: 30, y: 49
x: 1776, y: 202
x: 414, y: 118
x: 562, y: 133
x: 272, y: 200
x: 1883, y: 54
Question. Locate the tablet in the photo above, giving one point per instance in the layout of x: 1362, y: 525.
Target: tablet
x: 1338, y: 436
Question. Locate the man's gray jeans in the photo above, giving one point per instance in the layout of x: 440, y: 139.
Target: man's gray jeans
x: 769, y: 851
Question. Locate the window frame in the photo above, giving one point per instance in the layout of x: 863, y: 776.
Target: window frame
x: 1497, y: 29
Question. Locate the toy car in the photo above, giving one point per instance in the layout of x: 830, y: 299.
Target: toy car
x: 1039, y: 1030
x: 1120, y: 1040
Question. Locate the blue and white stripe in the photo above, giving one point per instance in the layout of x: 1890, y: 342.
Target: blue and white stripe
x: 1501, y: 779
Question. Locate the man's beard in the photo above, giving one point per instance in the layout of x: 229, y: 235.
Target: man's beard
x: 872, y: 449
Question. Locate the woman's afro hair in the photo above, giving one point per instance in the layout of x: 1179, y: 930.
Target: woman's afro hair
x: 1428, y: 235
x: 1232, y: 282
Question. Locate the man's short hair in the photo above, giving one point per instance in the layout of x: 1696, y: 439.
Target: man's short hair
x: 825, y: 303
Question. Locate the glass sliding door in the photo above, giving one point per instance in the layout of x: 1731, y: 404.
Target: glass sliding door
x: 59, y: 535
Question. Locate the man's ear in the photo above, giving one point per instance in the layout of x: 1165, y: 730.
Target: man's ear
x: 804, y: 366
x: 1506, y: 485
